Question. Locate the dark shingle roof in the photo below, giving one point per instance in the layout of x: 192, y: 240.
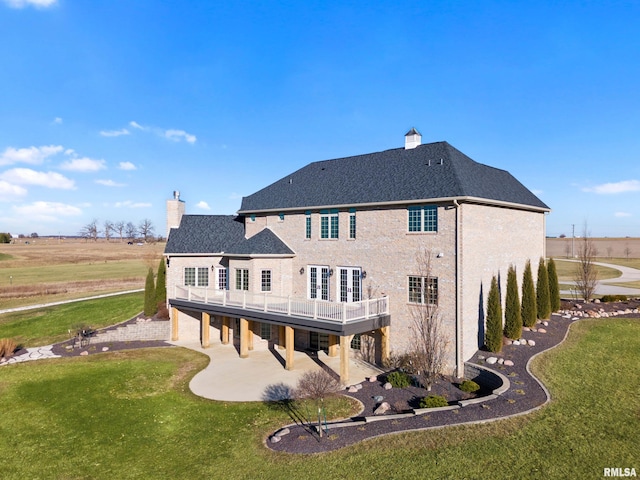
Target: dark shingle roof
x: 429, y: 171
x: 210, y: 234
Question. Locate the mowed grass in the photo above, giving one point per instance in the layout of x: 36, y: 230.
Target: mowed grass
x: 51, y: 324
x: 130, y: 415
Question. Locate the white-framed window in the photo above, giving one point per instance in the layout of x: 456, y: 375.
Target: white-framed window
x: 352, y: 224
x: 242, y: 279
x: 423, y: 218
x: 221, y: 278
x: 349, y: 284
x: 266, y: 281
x: 318, y: 281
x: 265, y: 331
x: 307, y: 225
x: 196, y: 276
x: 423, y: 290
x: 329, y: 224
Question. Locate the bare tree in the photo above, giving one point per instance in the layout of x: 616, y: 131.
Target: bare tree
x: 428, y: 342
x: 567, y: 249
x: 119, y: 228
x: 586, y: 276
x: 627, y: 251
x: 317, y: 385
x: 90, y: 230
x: 146, y: 229
x: 609, y: 251
x: 108, y: 228
x: 131, y: 230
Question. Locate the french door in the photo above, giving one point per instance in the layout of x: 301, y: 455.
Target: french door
x: 350, y: 284
x: 318, y: 281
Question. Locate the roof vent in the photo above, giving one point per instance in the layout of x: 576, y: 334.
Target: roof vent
x: 412, y: 139
x: 176, y: 195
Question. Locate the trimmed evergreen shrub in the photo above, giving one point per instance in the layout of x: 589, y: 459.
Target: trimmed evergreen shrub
x: 529, y: 310
x: 512, y: 308
x: 433, y: 401
x: 543, y: 301
x: 554, y: 286
x: 469, y: 386
x: 150, y: 304
x: 613, y: 298
x: 161, y: 282
x: 399, y: 379
x: 493, y: 333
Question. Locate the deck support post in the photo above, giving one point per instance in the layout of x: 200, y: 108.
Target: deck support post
x: 224, y: 331
x: 345, y: 343
x: 384, y: 343
x: 244, y: 338
x: 205, y: 327
x: 333, y: 345
x: 289, y: 339
x: 174, y: 324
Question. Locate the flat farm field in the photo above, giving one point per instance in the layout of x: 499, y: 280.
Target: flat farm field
x: 49, y: 270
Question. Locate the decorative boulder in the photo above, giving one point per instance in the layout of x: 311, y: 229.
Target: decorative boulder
x: 383, y: 408
x: 508, y: 363
x: 532, y: 343
x: 491, y: 360
x: 373, y: 379
x: 387, y: 386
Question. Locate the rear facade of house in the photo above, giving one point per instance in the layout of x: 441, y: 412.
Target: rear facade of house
x: 331, y: 257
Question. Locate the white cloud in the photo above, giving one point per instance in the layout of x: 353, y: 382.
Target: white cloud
x: 31, y: 155
x: 203, y: 205
x: 26, y: 176
x: 27, y: 3
x: 127, y: 166
x: 10, y: 192
x: 177, y: 135
x: 115, y: 133
x: 83, y: 164
x: 110, y: 183
x: 57, y: 121
x: 613, y: 188
x: 46, y: 211
x: 235, y: 196
x: 130, y: 204
x: 622, y: 214
x: 136, y: 125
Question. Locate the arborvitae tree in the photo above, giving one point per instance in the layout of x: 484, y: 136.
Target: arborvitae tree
x: 161, y: 283
x: 529, y: 310
x: 512, y: 312
x: 554, y: 286
x: 150, y: 304
x: 493, y: 333
x: 543, y: 303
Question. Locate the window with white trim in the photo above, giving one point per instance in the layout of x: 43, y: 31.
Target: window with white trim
x: 307, y: 225
x: 423, y: 290
x: 221, y: 278
x: 266, y: 280
x: 242, y: 279
x: 352, y: 224
x: 423, y: 219
x: 196, y: 276
x: 329, y: 224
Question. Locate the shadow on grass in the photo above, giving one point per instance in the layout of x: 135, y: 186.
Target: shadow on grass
x: 280, y: 396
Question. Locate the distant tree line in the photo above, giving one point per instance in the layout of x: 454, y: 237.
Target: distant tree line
x: 120, y: 230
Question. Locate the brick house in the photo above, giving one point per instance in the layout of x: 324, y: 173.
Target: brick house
x: 326, y: 258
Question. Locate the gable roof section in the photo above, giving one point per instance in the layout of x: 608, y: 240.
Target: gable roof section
x: 429, y: 171
x: 221, y: 234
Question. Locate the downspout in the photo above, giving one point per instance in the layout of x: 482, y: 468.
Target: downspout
x: 459, y: 372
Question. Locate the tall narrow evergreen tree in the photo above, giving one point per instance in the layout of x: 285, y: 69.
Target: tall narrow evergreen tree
x: 150, y: 304
x: 543, y: 302
x: 554, y: 286
x: 161, y: 283
x: 512, y: 312
x: 529, y: 310
x: 493, y: 333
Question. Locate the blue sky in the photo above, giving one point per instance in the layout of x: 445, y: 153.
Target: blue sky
x: 107, y: 106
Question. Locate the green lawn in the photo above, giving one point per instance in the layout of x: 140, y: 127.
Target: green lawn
x: 130, y: 415
x: 51, y: 324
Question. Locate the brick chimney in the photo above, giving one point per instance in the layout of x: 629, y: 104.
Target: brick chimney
x: 175, y: 211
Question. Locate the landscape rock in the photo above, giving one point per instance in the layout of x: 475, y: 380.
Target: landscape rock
x: 515, y: 342
x: 373, y: 379
x: 84, y: 354
x: 275, y: 439
x: 383, y: 408
x: 546, y: 324
x: 542, y: 330
x: 105, y: 349
x: 500, y: 361
x: 284, y: 431
x: 491, y: 360
x: 352, y: 389
x: 532, y: 343
x: 387, y: 386
x: 508, y: 363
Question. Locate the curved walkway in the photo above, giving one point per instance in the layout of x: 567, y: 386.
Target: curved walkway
x: 62, y: 302
x: 525, y: 394
x: 604, y: 287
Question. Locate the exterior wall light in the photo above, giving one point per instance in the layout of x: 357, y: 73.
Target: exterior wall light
x: 301, y: 270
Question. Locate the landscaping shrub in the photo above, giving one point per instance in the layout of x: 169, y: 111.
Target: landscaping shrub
x: 7, y: 347
x: 433, y: 401
x: 150, y: 305
x: 493, y: 333
x: 469, y: 386
x: 399, y: 379
x: 161, y: 282
x: 529, y: 310
x: 554, y: 286
x: 543, y: 301
x: 512, y: 308
x: 613, y: 298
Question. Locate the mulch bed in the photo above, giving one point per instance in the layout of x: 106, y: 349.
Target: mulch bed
x: 524, y: 395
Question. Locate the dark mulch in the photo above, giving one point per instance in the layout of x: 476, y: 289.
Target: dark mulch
x: 524, y: 394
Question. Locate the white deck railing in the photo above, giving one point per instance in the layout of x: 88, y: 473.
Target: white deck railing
x: 299, y: 307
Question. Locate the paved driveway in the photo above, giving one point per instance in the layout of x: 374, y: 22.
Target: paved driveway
x: 628, y: 274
